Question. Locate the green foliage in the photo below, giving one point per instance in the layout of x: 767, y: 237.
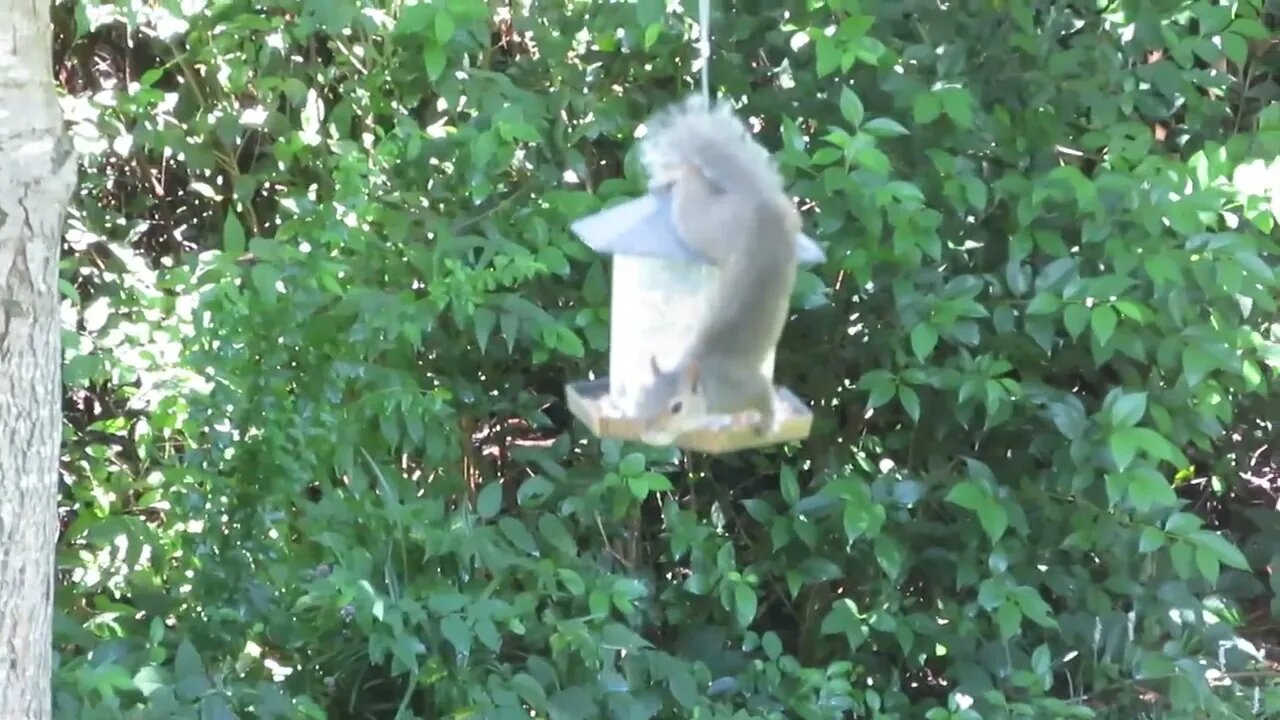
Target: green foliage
x: 322, y: 298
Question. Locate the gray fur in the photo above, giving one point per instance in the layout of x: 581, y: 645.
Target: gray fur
x: 729, y: 202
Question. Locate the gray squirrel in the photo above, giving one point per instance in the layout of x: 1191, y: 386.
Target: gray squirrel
x: 728, y: 203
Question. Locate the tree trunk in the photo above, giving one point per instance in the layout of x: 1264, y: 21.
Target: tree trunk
x: 37, y: 175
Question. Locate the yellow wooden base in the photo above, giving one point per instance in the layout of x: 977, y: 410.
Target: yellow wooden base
x: 588, y: 401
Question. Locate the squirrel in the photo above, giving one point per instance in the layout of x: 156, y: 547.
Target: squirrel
x: 729, y: 203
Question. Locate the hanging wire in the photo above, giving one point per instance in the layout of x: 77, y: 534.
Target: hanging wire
x: 704, y: 46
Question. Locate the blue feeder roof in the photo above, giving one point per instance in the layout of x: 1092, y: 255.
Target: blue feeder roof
x: 646, y: 227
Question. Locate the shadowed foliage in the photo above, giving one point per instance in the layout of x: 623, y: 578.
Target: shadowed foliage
x: 321, y: 302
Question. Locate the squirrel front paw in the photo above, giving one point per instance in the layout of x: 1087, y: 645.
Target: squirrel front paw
x: 720, y: 422
x: 760, y: 424
x: 763, y: 426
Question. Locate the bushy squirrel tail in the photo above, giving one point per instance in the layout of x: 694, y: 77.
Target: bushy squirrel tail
x: 713, y: 139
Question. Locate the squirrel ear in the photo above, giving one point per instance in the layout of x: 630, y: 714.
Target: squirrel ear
x: 691, y: 375
x: 653, y: 365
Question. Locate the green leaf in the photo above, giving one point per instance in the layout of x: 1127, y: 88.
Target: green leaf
x: 760, y: 510
x: 958, y: 105
x: 1075, y: 318
x: 265, y: 276
x: 1196, y: 364
x: 1034, y: 607
x: 1041, y: 660
x: 529, y: 690
x: 991, y: 593
x: 444, y: 603
x: 968, y: 495
x: 1208, y: 565
x: 649, y: 483
x: 533, y: 490
x: 1128, y: 409
x: 1158, y: 447
x: 827, y: 156
x: 828, y: 55
x: 233, y: 240
x: 924, y: 338
x: 554, y: 531
x: 189, y: 671
x: 215, y: 707
x: 572, y: 581
x: 744, y: 603
x: 519, y: 535
x: 851, y: 106
x: 772, y: 645
x: 855, y: 521
x: 573, y: 703
x: 1250, y: 28
x: 991, y: 514
x: 1182, y: 524
x: 433, y: 58
x: 1124, y: 447
x: 1009, y: 620
x: 890, y: 556
x: 485, y: 321
x: 1235, y: 48
x: 149, y: 679
x: 1151, y: 540
x: 1117, y: 486
x: 1126, y: 442
x: 568, y: 342
x: 994, y: 519
x: 975, y: 191
x: 489, y: 500
x: 683, y: 689
x: 816, y: 569
x: 406, y: 650
x: 1180, y: 555
x: 455, y: 630
x: 884, y: 127
x: 508, y: 326
x: 1220, y: 548
x: 1044, y: 304
x: 905, y: 192
x: 620, y: 637
x: 882, y: 386
x: 651, y: 35
x: 910, y: 401
x: 1103, y: 321
x: 632, y: 465
x: 487, y: 633
x: 790, y: 486
x: 650, y: 12
x: 927, y: 108
x: 1148, y: 489
x: 445, y: 27
x: 868, y: 157
x: 841, y: 619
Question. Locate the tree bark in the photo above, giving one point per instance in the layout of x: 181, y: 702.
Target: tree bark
x: 37, y: 175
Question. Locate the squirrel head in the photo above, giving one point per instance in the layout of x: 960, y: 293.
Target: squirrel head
x: 672, y: 403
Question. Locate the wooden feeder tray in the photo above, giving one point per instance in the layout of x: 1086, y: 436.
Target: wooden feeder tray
x: 589, y: 402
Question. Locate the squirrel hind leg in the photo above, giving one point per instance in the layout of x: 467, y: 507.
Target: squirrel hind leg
x: 766, y: 423
x: 769, y: 417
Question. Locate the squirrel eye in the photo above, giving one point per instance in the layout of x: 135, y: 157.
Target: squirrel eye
x: 676, y: 407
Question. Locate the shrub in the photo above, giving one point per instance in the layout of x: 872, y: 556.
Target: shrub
x: 324, y: 299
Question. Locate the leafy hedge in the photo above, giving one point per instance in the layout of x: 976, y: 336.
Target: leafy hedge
x: 322, y: 299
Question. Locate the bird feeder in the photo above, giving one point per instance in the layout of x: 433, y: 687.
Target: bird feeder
x: 659, y: 291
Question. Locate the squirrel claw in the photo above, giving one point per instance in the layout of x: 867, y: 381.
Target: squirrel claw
x: 754, y: 421
x: 717, y: 423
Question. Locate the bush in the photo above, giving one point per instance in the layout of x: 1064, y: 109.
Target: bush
x: 323, y: 300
